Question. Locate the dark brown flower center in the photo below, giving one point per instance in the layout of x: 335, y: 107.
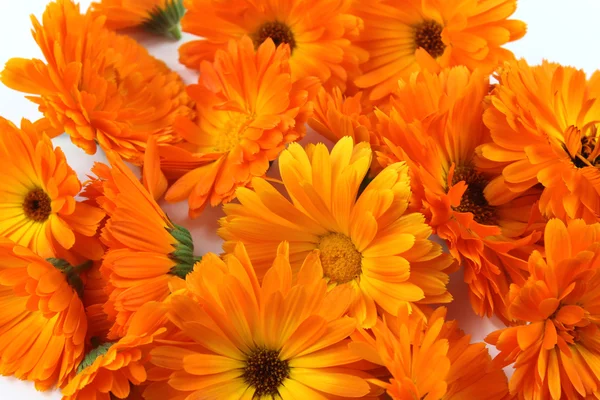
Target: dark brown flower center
x: 473, y: 200
x: 37, y: 205
x: 428, y: 35
x: 340, y: 259
x: 265, y: 372
x: 589, y: 154
x: 277, y: 31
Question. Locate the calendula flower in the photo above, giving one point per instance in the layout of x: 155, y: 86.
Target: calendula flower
x: 413, y: 35
x: 320, y: 33
x: 430, y: 358
x: 37, y: 197
x: 147, y: 255
x: 248, y: 110
x: 253, y: 340
x: 367, y: 242
x: 113, y: 370
x: 156, y: 16
x: 555, y: 352
x: 42, y: 319
x: 100, y: 87
x: 435, y: 124
x: 543, y: 121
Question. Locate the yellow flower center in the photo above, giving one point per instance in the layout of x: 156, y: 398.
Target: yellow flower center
x: 428, y: 35
x: 473, y: 200
x: 277, y: 31
x: 265, y: 372
x: 37, y: 205
x: 339, y: 257
x: 231, y: 132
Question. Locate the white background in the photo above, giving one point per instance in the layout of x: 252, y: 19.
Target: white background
x: 564, y: 31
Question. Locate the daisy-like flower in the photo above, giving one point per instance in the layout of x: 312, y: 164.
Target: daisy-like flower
x: 147, y: 255
x: 556, y: 351
x: 99, y: 87
x: 543, y: 121
x: 37, y: 197
x: 258, y: 341
x: 115, y: 369
x: 367, y: 242
x: 430, y: 359
x: 412, y: 35
x: 156, y: 16
x: 42, y: 319
x: 248, y: 110
x: 320, y: 33
x: 435, y: 125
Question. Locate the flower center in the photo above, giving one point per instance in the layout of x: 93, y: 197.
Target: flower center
x: 277, y: 31
x: 231, y: 132
x: 473, y: 200
x: 428, y: 35
x: 339, y: 257
x: 37, y: 205
x: 265, y: 372
x: 590, y: 153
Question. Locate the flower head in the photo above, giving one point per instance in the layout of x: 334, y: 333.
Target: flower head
x: 113, y: 370
x: 99, y: 87
x: 366, y: 242
x: 147, y: 255
x: 319, y: 33
x: 157, y: 16
x: 43, y: 324
x: 543, y: 122
x: 248, y: 110
x: 556, y: 350
x: 435, y: 124
x: 37, y: 196
x: 277, y: 339
x: 431, y: 359
x: 407, y: 36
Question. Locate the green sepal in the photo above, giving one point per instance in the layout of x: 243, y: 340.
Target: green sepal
x: 183, y: 254
x: 71, y: 273
x: 183, y: 268
x: 165, y: 20
x: 182, y: 235
x: 92, y: 355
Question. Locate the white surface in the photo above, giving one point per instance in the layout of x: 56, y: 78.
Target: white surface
x: 559, y: 30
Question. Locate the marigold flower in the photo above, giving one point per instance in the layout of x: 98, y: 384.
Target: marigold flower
x: 42, y: 319
x: 412, y: 35
x: 157, y: 16
x: 430, y: 358
x: 435, y: 124
x: 100, y: 87
x: 37, y: 198
x: 113, y: 370
x: 147, y: 255
x: 556, y: 352
x: 543, y: 121
x: 252, y: 340
x: 367, y: 242
x: 319, y: 33
x: 248, y: 110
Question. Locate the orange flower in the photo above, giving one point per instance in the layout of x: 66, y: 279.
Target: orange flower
x: 248, y: 110
x: 318, y: 32
x: 98, y: 86
x: 251, y: 340
x: 543, y: 121
x: 147, y: 255
x: 113, y: 370
x: 431, y: 359
x: 412, y: 35
x: 42, y: 320
x: 37, y: 198
x: 435, y: 124
x: 556, y: 351
x: 367, y: 242
x: 156, y: 16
